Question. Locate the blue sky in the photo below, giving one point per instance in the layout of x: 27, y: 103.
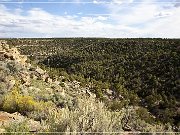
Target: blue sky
x: 90, y: 18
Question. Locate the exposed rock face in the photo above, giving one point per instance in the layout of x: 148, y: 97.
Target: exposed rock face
x: 11, y: 84
x: 34, y: 126
x: 11, y: 53
x: 40, y: 71
x: 6, y: 119
x: 48, y: 80
x: 3, y: 45
x: 44, y: 76
x: 11, y: 58
x: 109, y: 92
x: 25, y: 78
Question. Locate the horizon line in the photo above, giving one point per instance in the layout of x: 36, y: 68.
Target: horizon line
x: 85, y: 2
x: 90, y: 37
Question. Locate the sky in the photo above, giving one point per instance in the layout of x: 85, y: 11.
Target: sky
x: 90, y: 18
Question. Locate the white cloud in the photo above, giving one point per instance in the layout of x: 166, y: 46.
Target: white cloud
x: 132, y: 14
x: 112, y: 2
x: 163, y: 14
x: 102, y: 18
x: 5, y: 0
x: 18, y: 11
x: 38, y: 22
x: 95, y: 1
x: 165, y: 27
x: 149, y: 17
x: 121, y: 1
x: 123, y: 20
x: 80, y: 13
x: 177, y: 3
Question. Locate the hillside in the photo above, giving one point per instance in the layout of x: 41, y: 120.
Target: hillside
x: 145, y: 71
x: 130, y: 76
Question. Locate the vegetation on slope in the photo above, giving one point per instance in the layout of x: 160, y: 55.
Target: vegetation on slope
x: 139, y: 71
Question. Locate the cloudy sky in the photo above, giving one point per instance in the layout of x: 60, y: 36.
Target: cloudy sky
x: 90, y: 18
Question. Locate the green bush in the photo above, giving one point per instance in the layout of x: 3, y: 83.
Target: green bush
x: 116, y: 105
x: 89, y: 116
x: 16, y: 102
x: 1, y: 101
x: 18, y: 127
x: 145, y: 115
x: 92, y: 116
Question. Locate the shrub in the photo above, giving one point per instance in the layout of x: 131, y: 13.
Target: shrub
x: 26, y: 104
x: 134, y: 99
x: 144, y: 115
x: 16, y: 102
x: 3, y: 88
x: 1, y: 101
x: 92, y: 116
x: 41, y: 111
x: 89, y: 116
x: 17, y: 127
x: 116, y: 105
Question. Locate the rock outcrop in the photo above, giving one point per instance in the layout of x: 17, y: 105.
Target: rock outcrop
x: 6, y: 119
x: 11, y: 58
x: 11, y: 53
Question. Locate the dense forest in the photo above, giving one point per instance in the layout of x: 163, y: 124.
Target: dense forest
x: 138, y: 72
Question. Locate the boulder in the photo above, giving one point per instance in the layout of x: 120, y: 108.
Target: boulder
x: 25, y: 78
x: 90, y: 93
x: 11, y: 53
x: 4, y: 119
x: 3, y: 66
x: 40, y: 71
x: 83, y: 90
x: 33, y: 76
x: 3, y: 45
x: 45, y: 76
x: 10, y: 82
x: 56, y: 82
x: 9, y: 56
x: 14, y: 51
x: 23, y: 59
x: 109, y: 92
x: 2, y: 130
x: 34, y: 126
x: 32, y: 69
x: 62, y: 93
x: 1, y: 48
x: 28, y: 65
x: 48, y: 80
x: 2, y: 51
